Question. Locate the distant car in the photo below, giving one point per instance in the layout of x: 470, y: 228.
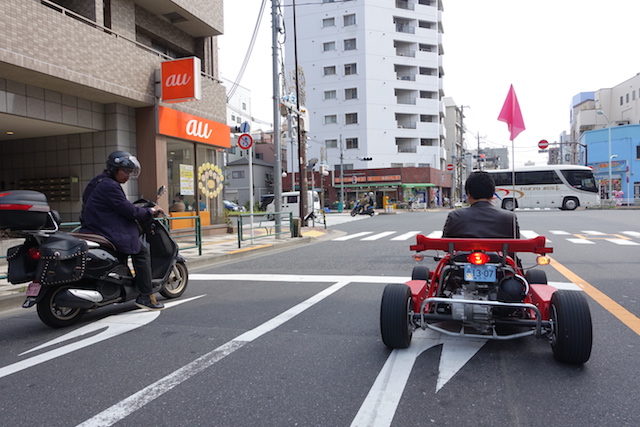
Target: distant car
x: 230, y: 206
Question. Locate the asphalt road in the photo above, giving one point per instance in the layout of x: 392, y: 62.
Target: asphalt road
x: 292, y: 338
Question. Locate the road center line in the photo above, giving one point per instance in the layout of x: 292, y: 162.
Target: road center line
x: 610, y: 305
x: 137, y: 400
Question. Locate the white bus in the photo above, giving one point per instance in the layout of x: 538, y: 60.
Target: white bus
x: 551, y: 186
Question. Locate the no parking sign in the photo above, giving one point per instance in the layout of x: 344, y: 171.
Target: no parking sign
x: 245, y: 141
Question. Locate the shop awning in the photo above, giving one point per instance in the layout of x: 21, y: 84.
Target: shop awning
x: 369, y: 184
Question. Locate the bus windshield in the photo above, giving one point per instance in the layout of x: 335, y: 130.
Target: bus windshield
x: 582, y: 180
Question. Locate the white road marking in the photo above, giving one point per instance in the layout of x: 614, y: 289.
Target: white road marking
x: 113, y: 326
x: 435, y: 234
x: 379, y: 236
x: 352, y: 236
x: 623, y: 242
x: 406, y: 236
x: 632, y: 234
x: 379, y: 407
x: 593, y: 232
x: 582, y: 241
x: 559, y: 232
x: 137, y: 400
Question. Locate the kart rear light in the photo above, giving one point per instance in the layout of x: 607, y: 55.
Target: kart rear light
x: 418, y: 256
x: 478, y: 258
x: 543, y: 260
x: 34, y: 253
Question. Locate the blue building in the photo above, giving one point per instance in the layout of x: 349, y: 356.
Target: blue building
x: 625, y: 159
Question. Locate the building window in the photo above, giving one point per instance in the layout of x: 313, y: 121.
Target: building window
x: 350, y: 44
x: 428, y: 142
x: 329, y: 94
x: 328, y: 22
x: 328, y: 1
x: 328, y: 46
x: 351, y: 143
x: 237, y: 174
x: 349, y: 20
x: 329, y: 71
x: 331, y: 119
x: 351, y: 118
x: 350, y: 69
x: 638, y: 152
x: 621, y: 100
x: 331, y: 143
x: 351, y: 93
x: 627, y: 97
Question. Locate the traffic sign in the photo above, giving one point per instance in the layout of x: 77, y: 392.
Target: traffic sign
x: 245, y: 127
x: 245, y: 141
x: 450, y: 167
x: 543, y: 144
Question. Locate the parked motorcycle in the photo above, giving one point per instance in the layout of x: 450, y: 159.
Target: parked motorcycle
x: 72, y: 273
x: 360, y: 209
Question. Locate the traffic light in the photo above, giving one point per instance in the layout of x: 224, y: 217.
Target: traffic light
x: 366, y: 159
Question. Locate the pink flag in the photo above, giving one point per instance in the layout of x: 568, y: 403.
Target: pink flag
x: 511, y: 114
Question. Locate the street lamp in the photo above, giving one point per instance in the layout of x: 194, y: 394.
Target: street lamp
x: 609, y: 132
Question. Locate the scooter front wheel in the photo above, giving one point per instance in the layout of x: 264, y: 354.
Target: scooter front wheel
x: 55, y: 315
x: 177, y: 283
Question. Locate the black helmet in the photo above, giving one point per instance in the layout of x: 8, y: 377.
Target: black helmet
x: 123, y: 160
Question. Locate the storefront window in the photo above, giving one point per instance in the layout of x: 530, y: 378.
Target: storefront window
x: 195, y: 180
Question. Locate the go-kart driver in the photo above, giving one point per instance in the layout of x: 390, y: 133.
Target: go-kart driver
x: 106, y: 211
x: 481, y: 219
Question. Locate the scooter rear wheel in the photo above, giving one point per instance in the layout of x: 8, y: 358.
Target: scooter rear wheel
x: 54, y: 315
x: 177, y: 283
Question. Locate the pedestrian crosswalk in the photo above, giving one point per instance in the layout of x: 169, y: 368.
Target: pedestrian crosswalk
x: 580, y: 237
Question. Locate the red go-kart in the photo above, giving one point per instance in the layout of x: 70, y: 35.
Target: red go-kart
x: 480, y: 290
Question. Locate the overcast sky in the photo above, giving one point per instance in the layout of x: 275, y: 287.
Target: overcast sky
x: 550, y: 50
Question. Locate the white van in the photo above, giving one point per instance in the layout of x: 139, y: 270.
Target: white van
x: 291, y: 203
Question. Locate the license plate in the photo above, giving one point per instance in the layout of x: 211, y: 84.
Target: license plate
x: 479, y: 273
x: 33, y: 289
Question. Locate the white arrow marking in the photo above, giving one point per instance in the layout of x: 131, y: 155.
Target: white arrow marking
x: 113, y: 326
x: 379, y: 407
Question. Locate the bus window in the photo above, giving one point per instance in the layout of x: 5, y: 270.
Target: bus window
x: 582, y: 180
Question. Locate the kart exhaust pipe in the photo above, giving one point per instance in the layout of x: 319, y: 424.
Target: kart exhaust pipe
x: 78, y: 298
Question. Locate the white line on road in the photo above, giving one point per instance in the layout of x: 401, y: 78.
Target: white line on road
x: 137, y: 400
x: 406, y: 236
x: 379, y: 236
x: 352, y: 236
x: 582, y: 241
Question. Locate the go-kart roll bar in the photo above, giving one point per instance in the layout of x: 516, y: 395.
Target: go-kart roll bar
x: 535, y: 245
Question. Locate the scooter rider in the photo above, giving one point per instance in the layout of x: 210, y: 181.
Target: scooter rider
x: 106, y: 211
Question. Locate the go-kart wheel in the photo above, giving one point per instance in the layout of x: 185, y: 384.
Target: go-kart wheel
x: 536, y: 277
x: 572, y: 336
x: 420, y: 272
x: 395, y: 312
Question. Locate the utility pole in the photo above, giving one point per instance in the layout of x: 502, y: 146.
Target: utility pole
x: 302, y: 146
x: 277, y: 178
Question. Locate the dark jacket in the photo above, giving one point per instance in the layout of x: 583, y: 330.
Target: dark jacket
x: 481, y: 220
x: 107, y: 212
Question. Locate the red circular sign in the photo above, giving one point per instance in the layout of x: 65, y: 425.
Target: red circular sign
x: 245, y: 141
x: 543, y: 144
x: 449, y: 167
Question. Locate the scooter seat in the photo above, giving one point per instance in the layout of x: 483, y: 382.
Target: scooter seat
x: 97, y: 238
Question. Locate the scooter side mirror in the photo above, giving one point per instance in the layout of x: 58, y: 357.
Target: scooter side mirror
x: 162, y: 190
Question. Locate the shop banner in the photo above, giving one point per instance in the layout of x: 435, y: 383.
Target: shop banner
x: 193, y: 128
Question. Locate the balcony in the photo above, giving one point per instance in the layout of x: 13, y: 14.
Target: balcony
x: 404, y: 4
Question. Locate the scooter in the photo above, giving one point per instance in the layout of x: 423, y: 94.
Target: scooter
x: 359, y: 209
x: 73, y: 273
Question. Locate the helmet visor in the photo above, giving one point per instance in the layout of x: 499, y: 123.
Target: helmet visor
x: 130, y: 165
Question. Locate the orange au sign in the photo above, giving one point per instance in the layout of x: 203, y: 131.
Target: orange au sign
x: 186, y: 126
x: 181, y: 80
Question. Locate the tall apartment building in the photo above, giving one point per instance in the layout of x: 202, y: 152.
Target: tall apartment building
x: 79, y: 79
x: 370, y: 79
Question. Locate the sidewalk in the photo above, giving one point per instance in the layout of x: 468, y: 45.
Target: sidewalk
x: 215, y: 249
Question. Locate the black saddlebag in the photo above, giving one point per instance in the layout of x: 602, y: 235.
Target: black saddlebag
x: 63, y: 259
x: 22, y: 267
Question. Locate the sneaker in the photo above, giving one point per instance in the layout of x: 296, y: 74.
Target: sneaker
x: 144, y: 301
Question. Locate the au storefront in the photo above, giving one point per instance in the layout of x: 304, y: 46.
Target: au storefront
x: 194, y: 166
